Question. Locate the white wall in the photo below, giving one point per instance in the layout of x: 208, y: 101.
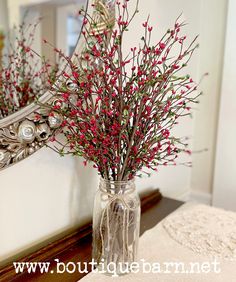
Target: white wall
x: 225, y: 167
x: 206, y: 18
x: 173, y: 181
x: 45, y: 194
x: 212, y: 19
x: 41, y: 196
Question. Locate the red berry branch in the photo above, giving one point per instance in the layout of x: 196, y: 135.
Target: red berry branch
x: 119, y: 110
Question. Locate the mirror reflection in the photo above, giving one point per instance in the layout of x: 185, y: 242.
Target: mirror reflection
x: 29, y: 32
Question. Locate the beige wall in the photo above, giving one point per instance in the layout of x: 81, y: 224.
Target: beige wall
x: 45, y: 194
x: 14, y: 11
x: 4, y: 17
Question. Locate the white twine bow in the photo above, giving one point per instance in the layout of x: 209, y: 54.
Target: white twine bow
x: 129, y: 204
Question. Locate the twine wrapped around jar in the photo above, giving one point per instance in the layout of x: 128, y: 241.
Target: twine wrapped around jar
x: 116, y: 223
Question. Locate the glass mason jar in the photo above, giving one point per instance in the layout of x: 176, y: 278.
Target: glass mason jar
x: 116, y: 224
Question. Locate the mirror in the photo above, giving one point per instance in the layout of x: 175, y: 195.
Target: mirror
x: 45, y: 175
x: 29, y: 32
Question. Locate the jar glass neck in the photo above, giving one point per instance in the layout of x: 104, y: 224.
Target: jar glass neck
x: 115, y: 187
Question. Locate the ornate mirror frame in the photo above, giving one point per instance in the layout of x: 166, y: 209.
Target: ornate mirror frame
x: 26, y: 131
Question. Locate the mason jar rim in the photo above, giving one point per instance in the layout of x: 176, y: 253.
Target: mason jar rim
x: 107, y: 181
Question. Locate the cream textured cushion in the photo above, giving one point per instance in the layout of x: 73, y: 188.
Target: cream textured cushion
x: 187, y: 236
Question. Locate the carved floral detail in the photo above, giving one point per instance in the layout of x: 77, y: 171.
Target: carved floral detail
x: 23, y: 138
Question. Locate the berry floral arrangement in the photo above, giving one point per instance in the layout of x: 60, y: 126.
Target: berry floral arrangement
x: 119, y: 109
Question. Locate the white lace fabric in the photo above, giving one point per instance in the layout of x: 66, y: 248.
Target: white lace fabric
x: 206, y: 230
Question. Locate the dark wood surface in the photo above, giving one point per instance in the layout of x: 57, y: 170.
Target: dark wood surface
x: 75, y: 245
